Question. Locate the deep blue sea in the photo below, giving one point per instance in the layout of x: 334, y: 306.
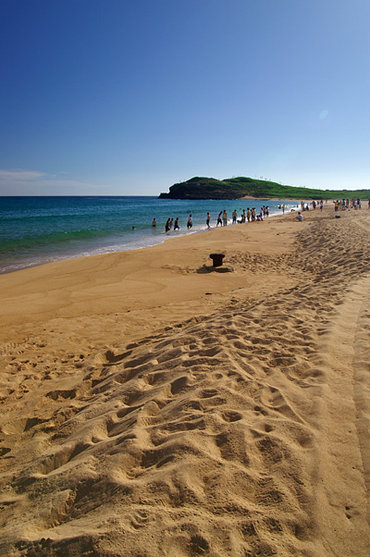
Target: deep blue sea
x: 37, y: 230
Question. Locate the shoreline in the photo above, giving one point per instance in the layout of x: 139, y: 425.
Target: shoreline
x: 173, y: 248
x: 157, y: 240
x: 197, y: 411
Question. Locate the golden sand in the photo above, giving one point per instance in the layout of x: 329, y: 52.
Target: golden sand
x: 151, y: 406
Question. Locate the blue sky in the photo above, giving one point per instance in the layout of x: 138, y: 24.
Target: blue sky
x: 115, y: 97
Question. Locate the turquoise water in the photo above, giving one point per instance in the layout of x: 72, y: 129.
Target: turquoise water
x: 37, y: 230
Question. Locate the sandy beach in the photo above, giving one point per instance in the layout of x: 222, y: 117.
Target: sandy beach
x: 152, y: 406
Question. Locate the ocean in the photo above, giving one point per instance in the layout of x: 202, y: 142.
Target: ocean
x: 38, y: 230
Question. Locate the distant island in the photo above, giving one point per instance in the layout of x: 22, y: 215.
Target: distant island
x: 239, y: 188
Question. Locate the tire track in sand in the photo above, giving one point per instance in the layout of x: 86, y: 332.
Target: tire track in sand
x: 344, y: 472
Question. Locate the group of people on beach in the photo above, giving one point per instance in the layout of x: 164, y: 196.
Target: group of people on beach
x: 314, y: 204
x: 343, y: 204
x: 249, y: 215
x: 170, y: 223
x: 174, y: 224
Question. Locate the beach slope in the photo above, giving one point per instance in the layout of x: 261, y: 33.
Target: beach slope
x: 153, y: 406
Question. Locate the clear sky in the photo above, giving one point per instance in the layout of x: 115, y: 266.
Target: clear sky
x: 127, y: 97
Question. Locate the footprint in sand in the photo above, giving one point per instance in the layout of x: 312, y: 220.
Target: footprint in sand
x: 231, y: 416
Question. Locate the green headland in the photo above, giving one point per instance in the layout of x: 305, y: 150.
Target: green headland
x: 237, y: 188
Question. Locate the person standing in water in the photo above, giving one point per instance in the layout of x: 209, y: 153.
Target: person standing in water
x: 208, y: 219
x: 154, y: 223
x: 176, y: 225
x: 224, y: 217
x: 168, y: 226
x: 190, y: 222
x: 219, y: 219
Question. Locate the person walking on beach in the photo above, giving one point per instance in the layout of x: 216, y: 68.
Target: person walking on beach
x: 219, y: 219
x: 224, y: 217
x: 190, y: 222
x: 176, y: 225
x: 208, y: 219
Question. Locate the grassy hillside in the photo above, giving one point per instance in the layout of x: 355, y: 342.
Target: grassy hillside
x: 235, y: 188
